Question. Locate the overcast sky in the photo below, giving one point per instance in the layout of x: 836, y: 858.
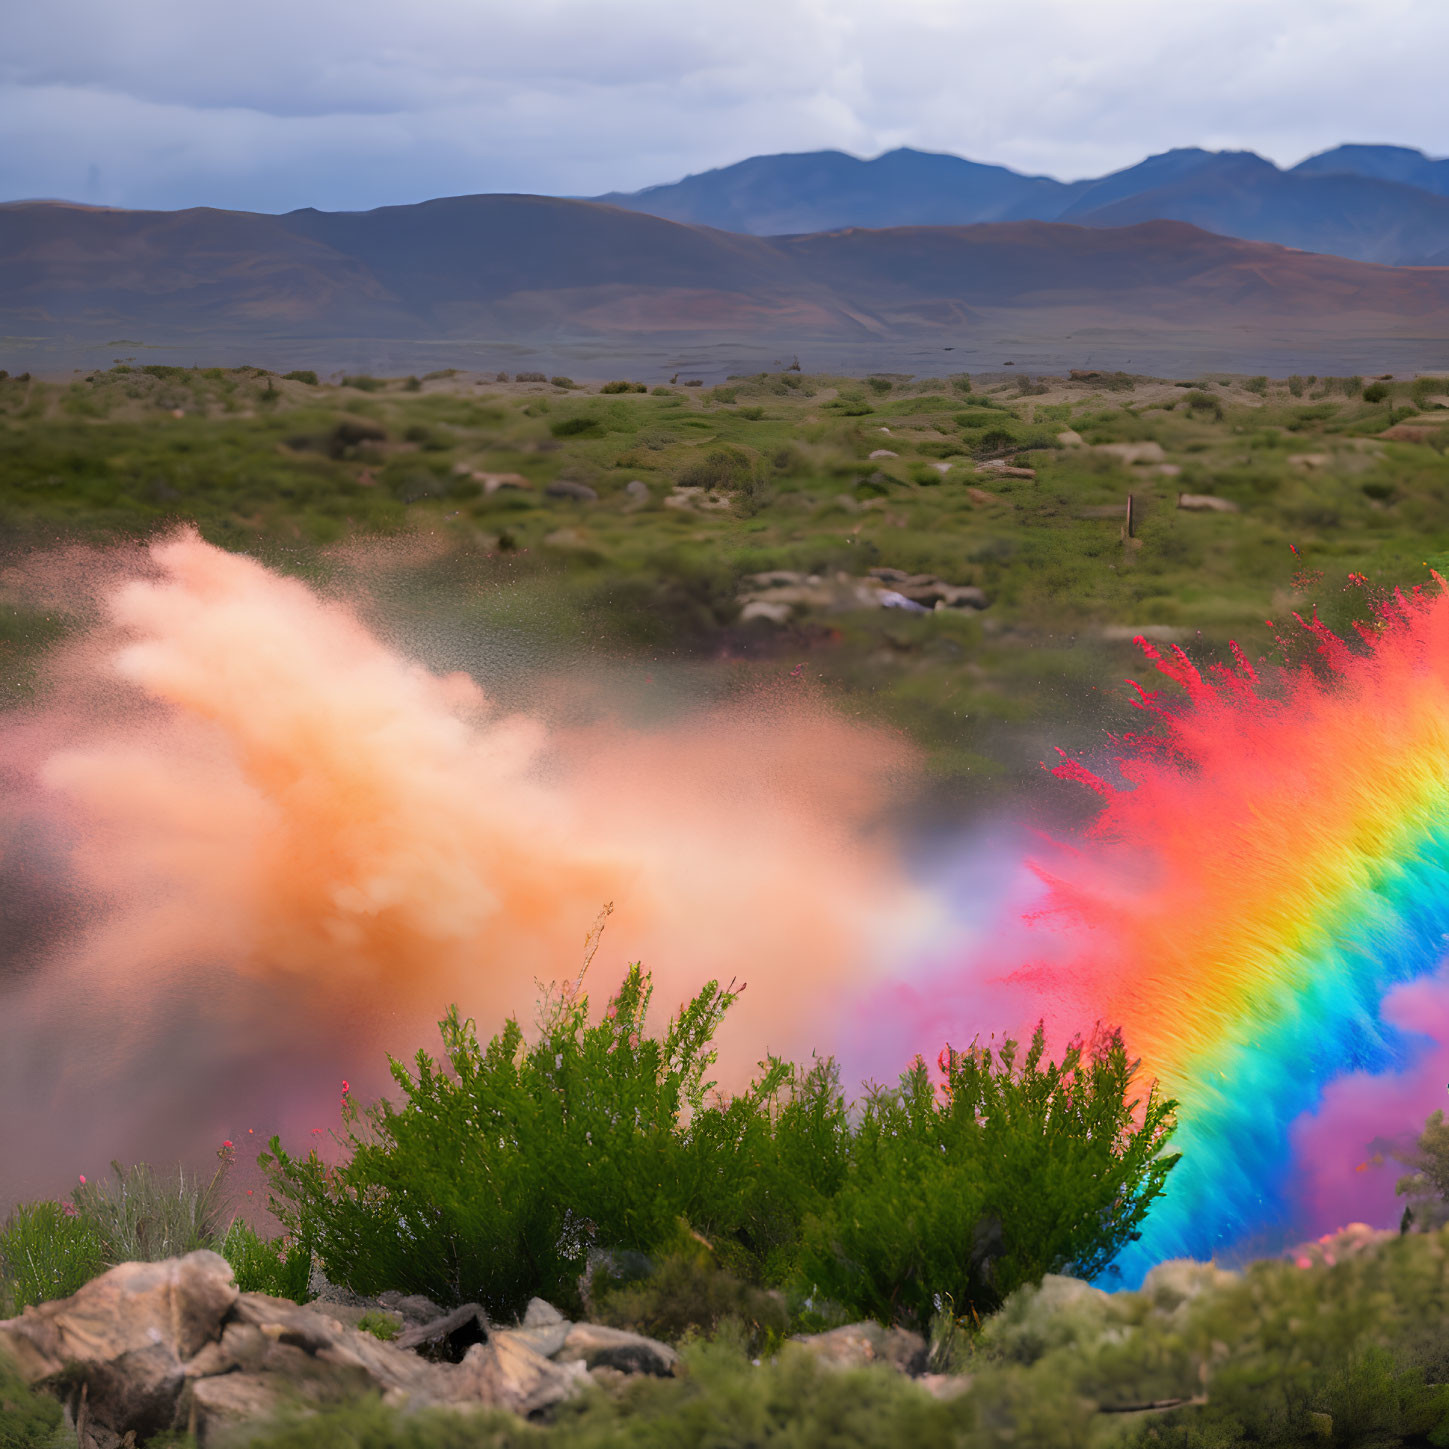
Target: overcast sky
x: 274, y: 104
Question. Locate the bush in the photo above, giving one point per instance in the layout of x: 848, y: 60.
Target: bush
x: 29, y: 1419
x: 527, y: 377
x: 273, y: 1266
x: 509, y: 1168
x: 301, y: 375
x: 47, y: 1250
x: 612, y: 387
x: 689, y: 1293
x: 1199, y: 401
x: 363, y: 383
x: 1375, y: 392
x: 589, y: 1154
x: 560, y: 381
x: 719, y: 468
x: 1013, y: 1169
x: 142, y: 1216
x: 1258, y: 385
x: 578, y: 426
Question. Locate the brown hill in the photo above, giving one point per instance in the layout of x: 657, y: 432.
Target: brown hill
x: 529, y: 268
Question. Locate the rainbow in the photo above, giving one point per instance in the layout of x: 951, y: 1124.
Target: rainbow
x: 1267, y: 868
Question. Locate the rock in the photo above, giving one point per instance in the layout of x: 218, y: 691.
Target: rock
x: 882, y: 453
x: 577, y: 492
x: 540, y: 1314
x: 1309, y: 460
x: 596, y: 1346
x: 945, y: 1386
x: 1069, y: 438
x: 1206, y: 503
x: 413, y: 1308
x: 543, y: 1328
x: 772, y: 613
x: 447, y: 1339
x: 227, y: 1402
x: 999, y: 469
x: 890, y: 599
x: 858, y: 1344
x: 492, y: 482
x: 507, y: 1372
x: 784, y: 579
x: 1169, y: 470
x: 691, y: 498
x: 637, y: 489
x: 1134, y: 452
x: 980, y: 495
x: 941, y: 468
x: 155, y: 1347
x: 118, y: 1345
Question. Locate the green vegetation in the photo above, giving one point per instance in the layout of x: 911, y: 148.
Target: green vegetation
x: 511, y: 1170
x: 1348, y: 1353
x: 282, y: 465
x: 50, y: 1249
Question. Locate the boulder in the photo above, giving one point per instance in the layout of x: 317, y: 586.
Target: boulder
x: 596, y: 1346
x: 1133, y: 452
x: 882, y: 453
x: 637, y: 490
x: 509, y: 1372
x: 118, y: 1346
x: 1206, y: 503
x: 577, y: 492
x: 447, y: 1339
x: 858, y: 1344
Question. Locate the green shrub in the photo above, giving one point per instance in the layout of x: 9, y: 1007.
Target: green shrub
x: 379, y: 1325
x: 509, y: 1168
x: 301, y: 374
x: 579, y: 426
x: 142, y: 1216
x: 363, y: 383
x: 29, y: 1419
x: 724, y: 467
x: 275, y: 1266
x: 620, y: 386
x: 559, y: 381
x: 1375, y: 392
x: 1258, y: 385
x: 1016, y: 1167
x: 688, y: 1293
x: 47, y: 1250
x: 1205, y: 402
x: 589, y: 1154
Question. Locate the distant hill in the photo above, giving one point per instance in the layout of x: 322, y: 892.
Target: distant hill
x: 1383, y: 163
x: 1371, y: 203
x: 529, y: 268
x: 828, y: 190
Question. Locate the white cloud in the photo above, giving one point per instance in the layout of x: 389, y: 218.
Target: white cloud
x: 284, y: 103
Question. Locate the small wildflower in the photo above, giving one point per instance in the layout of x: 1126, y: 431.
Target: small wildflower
x: 82, y: 1179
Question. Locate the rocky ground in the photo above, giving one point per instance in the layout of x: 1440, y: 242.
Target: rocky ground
x: 148, y: 1348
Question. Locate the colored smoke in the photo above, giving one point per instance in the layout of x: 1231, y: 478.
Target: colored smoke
x: 274, y: 847
x: 292, y: 848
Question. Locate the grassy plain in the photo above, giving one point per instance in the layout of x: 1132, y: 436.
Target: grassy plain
x: 1015, y: 486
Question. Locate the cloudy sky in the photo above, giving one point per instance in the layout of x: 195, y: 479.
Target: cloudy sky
x: 274, y: 104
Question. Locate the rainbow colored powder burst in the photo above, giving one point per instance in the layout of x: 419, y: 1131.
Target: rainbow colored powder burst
x: 1268, y: 870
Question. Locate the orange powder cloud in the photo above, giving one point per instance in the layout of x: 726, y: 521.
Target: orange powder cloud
x: 311, y: 839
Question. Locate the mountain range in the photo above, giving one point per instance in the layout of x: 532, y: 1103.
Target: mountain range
x: 491, y: 269
x: 1387, y: 204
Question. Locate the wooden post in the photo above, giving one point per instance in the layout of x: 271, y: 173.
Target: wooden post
x: 1128, y: 526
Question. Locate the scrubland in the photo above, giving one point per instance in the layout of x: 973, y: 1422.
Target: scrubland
x: 966, y: 559
x: 736, y: 523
